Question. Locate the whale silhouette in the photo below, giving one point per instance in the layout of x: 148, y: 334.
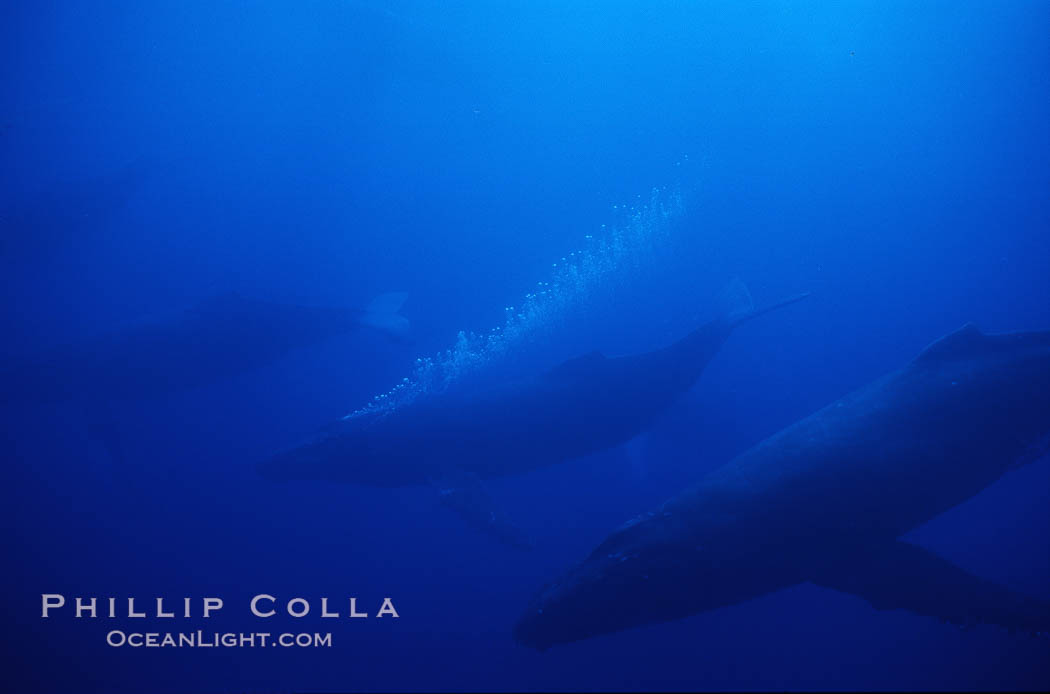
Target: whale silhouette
x: 582, y: 406
x: 221, y: 336
x: 827, y: 499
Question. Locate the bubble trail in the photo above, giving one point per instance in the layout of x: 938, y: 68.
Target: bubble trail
x: 573, y: 280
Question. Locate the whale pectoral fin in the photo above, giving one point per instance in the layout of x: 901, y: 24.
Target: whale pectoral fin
x: 899, y: 575
x: 464, y: 493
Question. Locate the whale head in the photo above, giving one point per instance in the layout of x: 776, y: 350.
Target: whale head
x: 650, y: 570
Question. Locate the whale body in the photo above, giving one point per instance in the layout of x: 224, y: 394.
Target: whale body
x: 585, y: 405
x: 826, y: 501
x: 223, y: 335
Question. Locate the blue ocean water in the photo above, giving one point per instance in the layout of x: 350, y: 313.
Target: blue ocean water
x: 544, y: 180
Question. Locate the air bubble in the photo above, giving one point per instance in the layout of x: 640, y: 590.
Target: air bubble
x: 620, y: 249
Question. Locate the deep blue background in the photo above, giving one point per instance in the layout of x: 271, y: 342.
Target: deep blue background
x: 891, y: 158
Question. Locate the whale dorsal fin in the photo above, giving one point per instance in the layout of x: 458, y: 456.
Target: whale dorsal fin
x: 965, y: 341
x: 578, y: 366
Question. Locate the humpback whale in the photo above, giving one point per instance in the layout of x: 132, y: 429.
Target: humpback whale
x: 453, y: 442
x: 221, y: 336
x: 827, y: 500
